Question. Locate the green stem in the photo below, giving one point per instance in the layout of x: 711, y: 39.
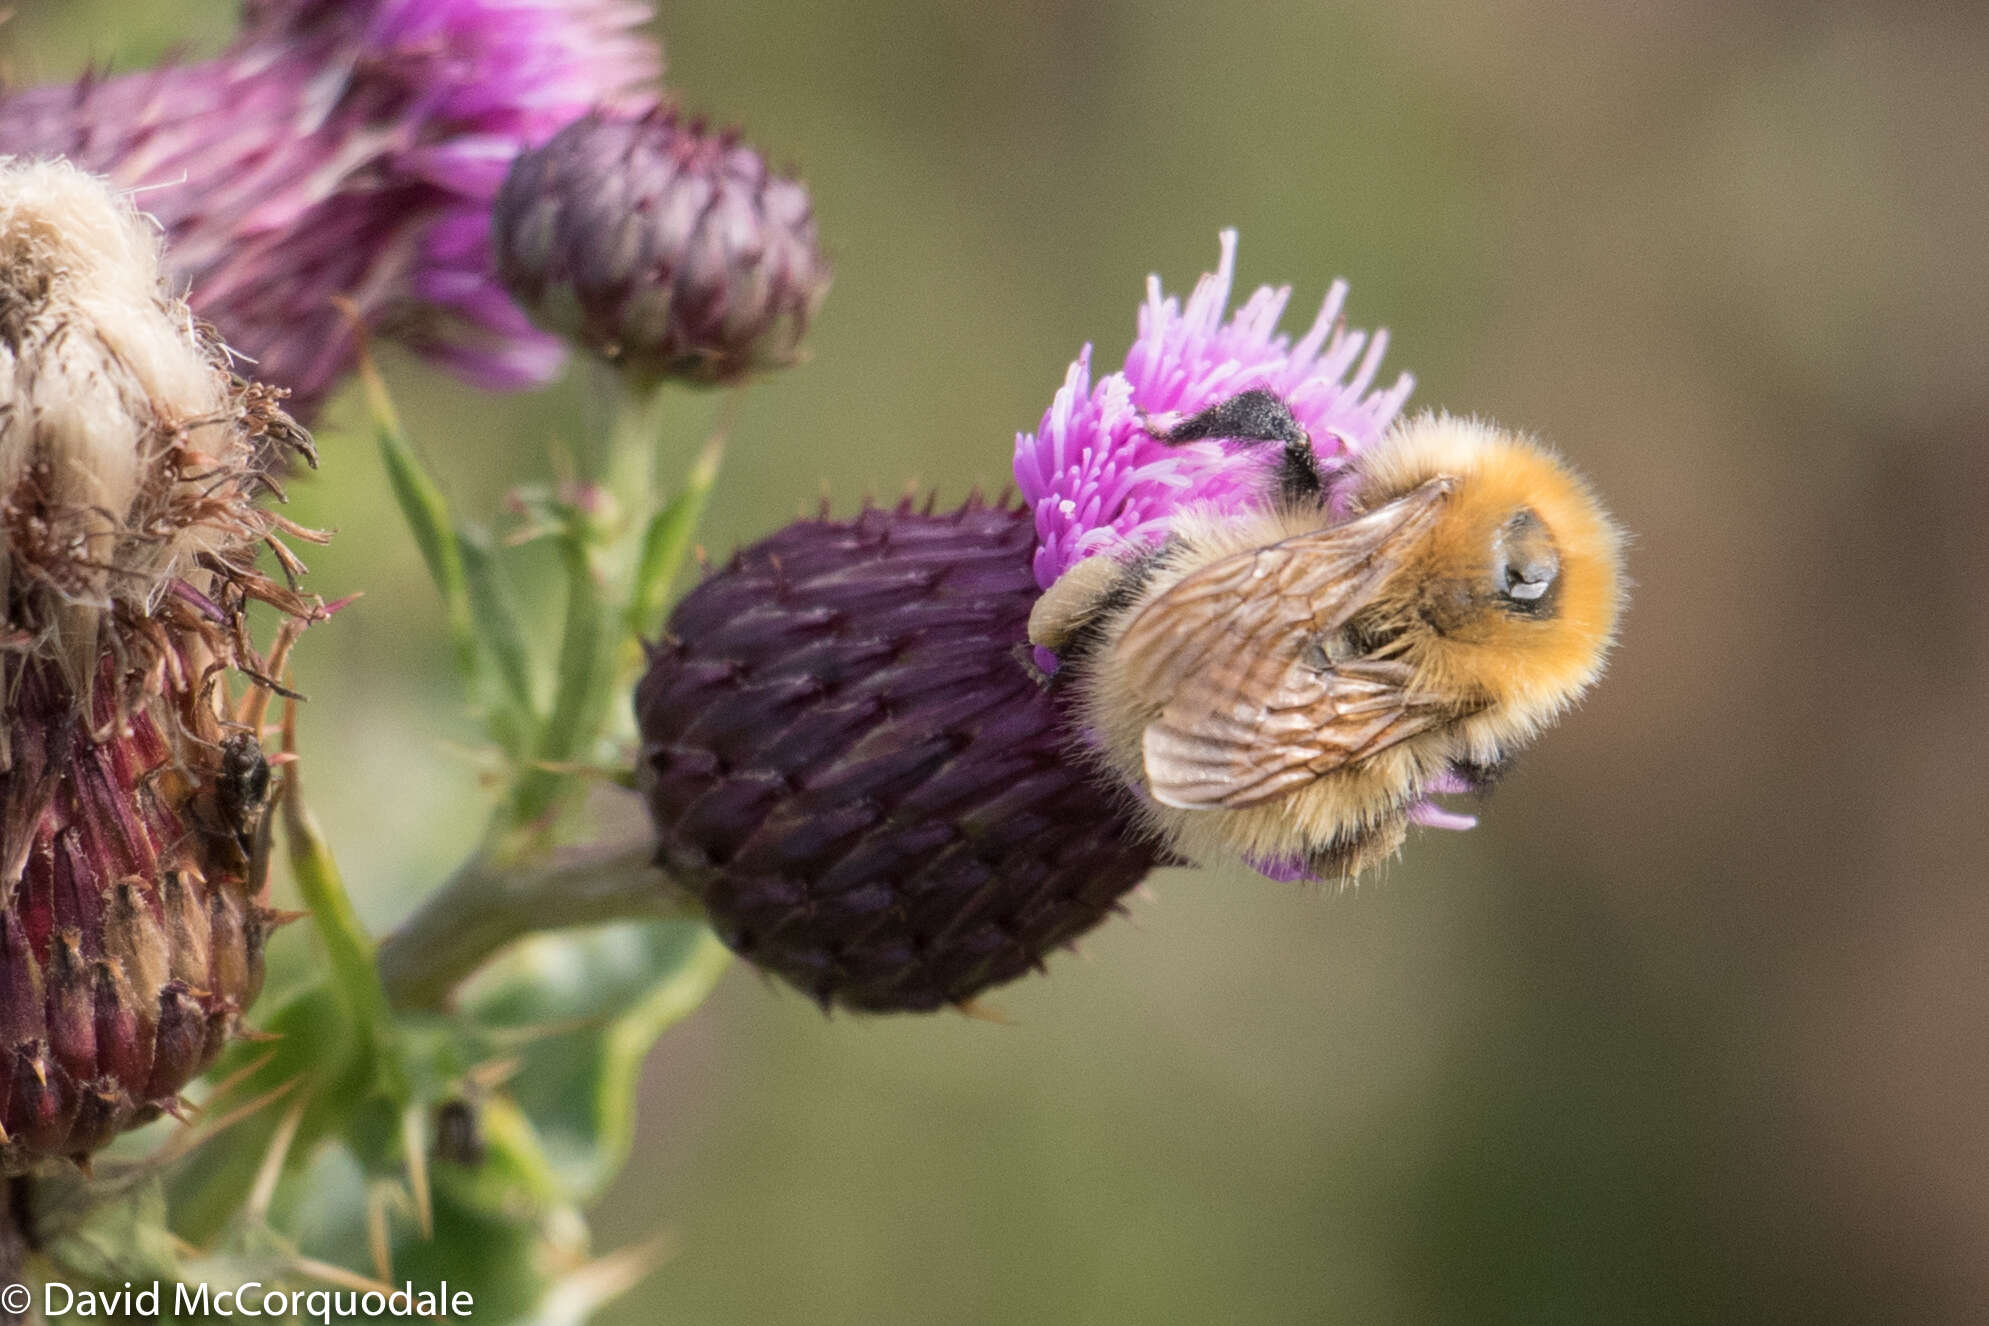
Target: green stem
x: 486, y: 906
x: 541, y: 786
x: 603, y: 559
x: 630, y: 472
x: 619, y: 554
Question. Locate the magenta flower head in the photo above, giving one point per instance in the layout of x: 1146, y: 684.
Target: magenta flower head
x: 132, y: 467
x: 1096, y: 474
x: 663, y: 246
x: 849, y: 751
x: 349, y: 149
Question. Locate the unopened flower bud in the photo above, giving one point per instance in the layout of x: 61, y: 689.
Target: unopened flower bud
x: 663, y: 246
x: 132, y: 918
x: 851, y: 766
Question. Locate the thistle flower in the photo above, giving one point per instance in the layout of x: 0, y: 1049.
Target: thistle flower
x: 1096, y: 478
x: 847, y: 752
x: 131, y: 918
x: 348, y: 148
x: 663, y: 246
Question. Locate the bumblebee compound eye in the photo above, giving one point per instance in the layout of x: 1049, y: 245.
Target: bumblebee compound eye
x: 1526, y: 566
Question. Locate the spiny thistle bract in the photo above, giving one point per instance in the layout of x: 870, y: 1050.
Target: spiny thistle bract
x: 131, y: 461
x: 664, y: 246
x: 851, y: 765
x: 349, y: 149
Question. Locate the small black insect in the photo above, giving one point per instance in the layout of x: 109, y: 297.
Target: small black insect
x: 241, y: 789
x: 458, y: 1134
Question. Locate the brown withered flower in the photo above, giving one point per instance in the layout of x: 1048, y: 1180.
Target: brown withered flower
x: 132, y: 788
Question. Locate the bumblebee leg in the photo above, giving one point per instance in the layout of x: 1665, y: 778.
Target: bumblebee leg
x: 1346, y: 858
x: 1077, y: 597
x: 1257, y: 415
x: 1024, y: 655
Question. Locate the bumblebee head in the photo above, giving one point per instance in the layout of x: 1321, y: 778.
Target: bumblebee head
x: 1510, y: 593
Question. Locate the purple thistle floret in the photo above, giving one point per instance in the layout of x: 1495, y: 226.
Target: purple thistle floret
x: 1097, y: 480
x: 349, y: 148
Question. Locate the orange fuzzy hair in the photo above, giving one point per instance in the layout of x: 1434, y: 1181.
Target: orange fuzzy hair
x: 1529, y: 669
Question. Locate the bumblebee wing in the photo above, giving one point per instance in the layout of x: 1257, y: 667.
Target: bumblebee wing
x: 1209, y: 751
x: 1248, y: 707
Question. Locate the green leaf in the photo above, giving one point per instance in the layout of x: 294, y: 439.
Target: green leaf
x: 667, y: 540
x: 100, y: 1236
x: 574, y: 1298
x: 502, y: 1226
x: 513, y: 1174
x: 579, y: 686
x: 586, y: 1006
x: 494, y: 613
x: 316, y: 1054
x: 500, y: 1258
x: 427, y: 515
x: 353, y: 977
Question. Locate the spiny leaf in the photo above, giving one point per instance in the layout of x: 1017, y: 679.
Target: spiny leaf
x: 604, y: 995
x: 354, y: 979
x: 576, y: 1296
x: 579, y: 685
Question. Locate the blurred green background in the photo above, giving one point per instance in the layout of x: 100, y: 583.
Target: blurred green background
x: 1696, y: 1026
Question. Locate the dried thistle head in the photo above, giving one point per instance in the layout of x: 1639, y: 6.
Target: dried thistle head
x: 132, y: 460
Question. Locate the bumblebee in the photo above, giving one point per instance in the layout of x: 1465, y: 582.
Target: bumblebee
x: 1289, y: 683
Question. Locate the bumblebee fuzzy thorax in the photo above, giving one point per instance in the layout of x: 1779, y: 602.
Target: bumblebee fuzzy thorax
x: 1512, y: 595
